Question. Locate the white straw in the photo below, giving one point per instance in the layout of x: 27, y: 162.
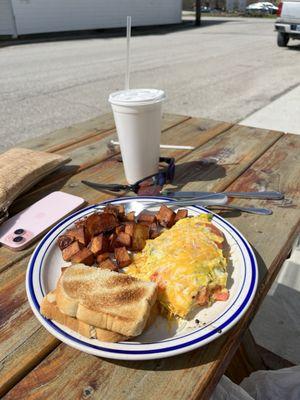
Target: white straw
x: 128, y: 34
x: 162, y: 146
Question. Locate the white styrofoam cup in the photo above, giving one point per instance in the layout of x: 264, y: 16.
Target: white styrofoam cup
x: 137, y: 114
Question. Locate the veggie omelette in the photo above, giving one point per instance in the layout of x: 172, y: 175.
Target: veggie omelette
x: 187, y: 263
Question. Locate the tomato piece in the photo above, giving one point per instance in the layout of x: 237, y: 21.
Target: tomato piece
x: 221, y: 295
x: 158, y: 279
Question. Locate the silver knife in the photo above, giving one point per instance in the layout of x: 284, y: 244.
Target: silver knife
x: 263, y: 195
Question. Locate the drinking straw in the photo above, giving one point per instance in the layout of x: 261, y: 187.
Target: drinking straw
x: 128, y: 35
x: 162, y: 146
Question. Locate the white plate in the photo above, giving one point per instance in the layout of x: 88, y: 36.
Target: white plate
x: 162, y: 339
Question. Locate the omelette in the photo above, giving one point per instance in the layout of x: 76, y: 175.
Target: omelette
x: 187, y: 263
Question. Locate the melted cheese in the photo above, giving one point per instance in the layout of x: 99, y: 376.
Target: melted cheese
x: 181, y: 260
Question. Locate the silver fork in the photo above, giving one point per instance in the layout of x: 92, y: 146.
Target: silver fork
x: 215, y: 202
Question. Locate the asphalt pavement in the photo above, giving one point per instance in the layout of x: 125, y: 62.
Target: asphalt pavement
x: 227, y: 69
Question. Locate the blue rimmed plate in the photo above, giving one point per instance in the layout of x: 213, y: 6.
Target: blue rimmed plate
x: 162, y: 339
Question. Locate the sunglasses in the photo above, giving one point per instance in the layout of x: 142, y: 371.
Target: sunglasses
x: 150, y: 185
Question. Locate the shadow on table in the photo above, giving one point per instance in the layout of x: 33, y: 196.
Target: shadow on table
x: 206, y: 169
x: 192, y: 359
x: 262, y: 269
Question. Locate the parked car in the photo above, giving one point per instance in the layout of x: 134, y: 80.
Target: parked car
x: 288, y: 22
x: 262, y: 7
x: 273, y: 9
x: 205, y: 9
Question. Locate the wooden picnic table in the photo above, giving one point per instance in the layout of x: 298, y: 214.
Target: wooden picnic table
x: 35, y: 365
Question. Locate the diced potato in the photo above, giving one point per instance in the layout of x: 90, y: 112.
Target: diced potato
x: 102, y: 257
x: 140, y: 235
x: 64, y: 241
x: 108, y: 264
x: 121, y: 210
x: 166, y: 217
x: 80, y: 223
x: 119, y: 229
x: 79, y: 234
x: 154, y: 230
x: 70, y: 251
x: 117, y: 210
x: 145, y: 223
x: 181, y: 214
x: 130, y: 216
x: 146, y: 217
x: 122, y: 257
x: 123, y: 239
x: 84, y: 256
x: 99, y: 223
x: 129, y: 228
x: 99, y: 244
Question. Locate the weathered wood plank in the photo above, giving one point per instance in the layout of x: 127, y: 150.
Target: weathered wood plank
x: 220, y: 161
x: 193, y: 132
x: 23, y: 343
x: 25, y: 357
x: 167, y: 378
x: 85, y: 130
x: 277, y: 169
x: 71, y: 134
x: 15, y: 312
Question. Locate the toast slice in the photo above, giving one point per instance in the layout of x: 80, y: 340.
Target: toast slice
x: 105, y: 299
x: 50, y: 310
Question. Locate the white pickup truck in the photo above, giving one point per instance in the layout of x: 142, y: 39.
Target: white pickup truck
x: 288, y: 22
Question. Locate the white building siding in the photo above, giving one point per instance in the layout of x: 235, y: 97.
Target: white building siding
x: 36, y: 16
x: 6, y: 18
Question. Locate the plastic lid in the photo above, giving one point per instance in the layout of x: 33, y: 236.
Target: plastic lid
x: 137, y: 96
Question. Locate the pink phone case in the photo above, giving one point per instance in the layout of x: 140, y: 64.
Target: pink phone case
x: 22, y: 229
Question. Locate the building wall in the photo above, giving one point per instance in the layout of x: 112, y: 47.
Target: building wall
x: 6, y: 18
x: 36, y: 16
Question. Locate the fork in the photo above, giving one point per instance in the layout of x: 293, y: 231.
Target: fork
x: 218, y: 201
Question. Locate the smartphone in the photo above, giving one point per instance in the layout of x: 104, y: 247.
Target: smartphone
x: 22, y: 229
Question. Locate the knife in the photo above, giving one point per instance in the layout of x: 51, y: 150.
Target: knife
x: 265, y: 195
